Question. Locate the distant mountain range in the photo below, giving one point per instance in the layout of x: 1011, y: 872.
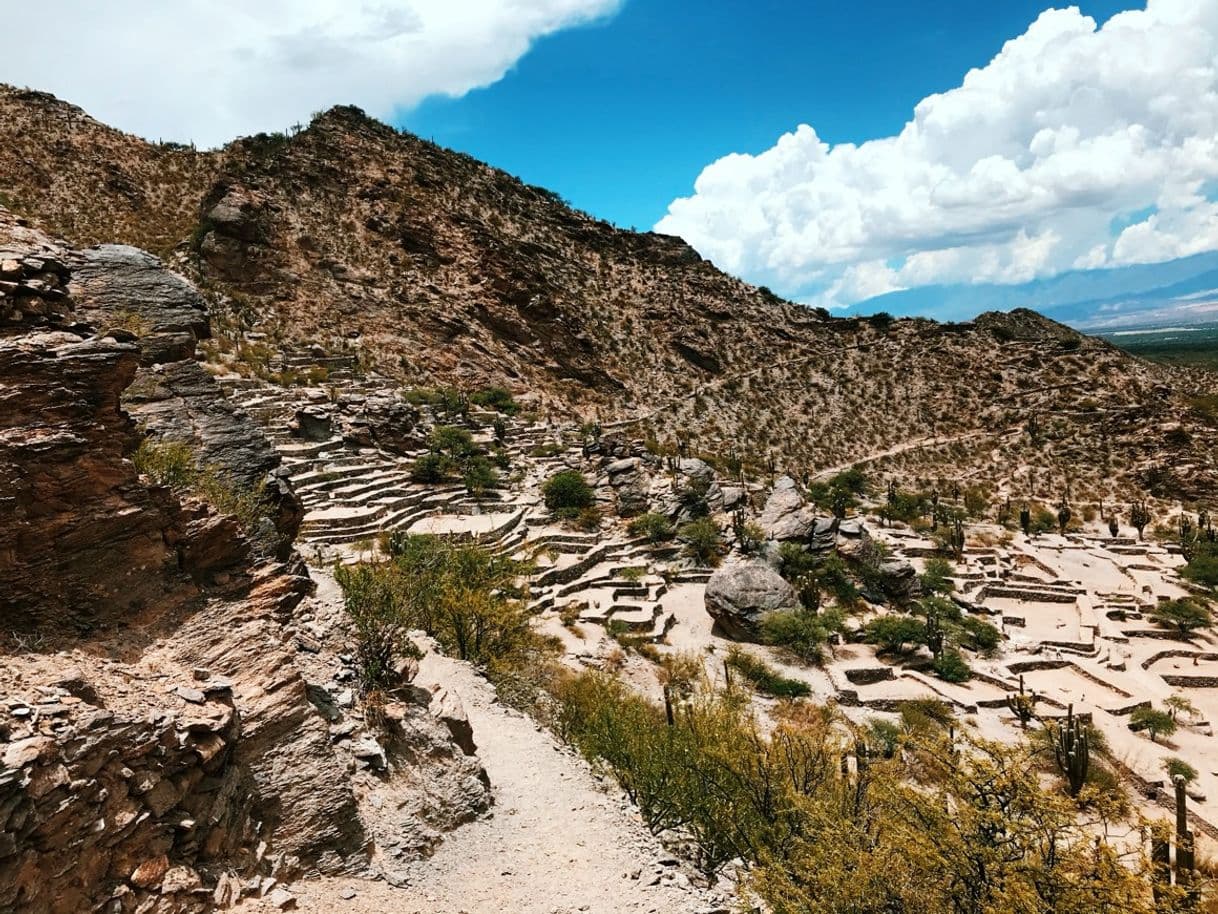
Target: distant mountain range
x: 1184, y: 290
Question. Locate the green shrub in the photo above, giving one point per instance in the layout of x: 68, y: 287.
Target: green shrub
x: 937, y: 578
x: 587, y: 519
x: 464, y: 596
x: 450, y: 440
x: 883, y: 736
x: 800, y: 632
x: 478, y: 475
x: 431, y: 468
x: 166, y: 463
x: 894, y: 633
x: 567, y: 491
x: 1184, y: 615
x: 380, y: 629
x: 765, y: 678
x: 496, y: 398
x: 1177, y: 767
x: 1155, y: 722
x: 980, y: 635
x: 1202, y: 568
x: 655, y: 528
x: 703, y: 540
x: 950, y: 666
x: 903, y: 834
x: 172, y: 464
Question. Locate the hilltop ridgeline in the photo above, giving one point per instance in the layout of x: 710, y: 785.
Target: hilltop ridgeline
x: 437, y: 269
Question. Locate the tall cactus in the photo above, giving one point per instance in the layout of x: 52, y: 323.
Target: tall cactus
x: 1063, y: 516
x: 1185, y: 858
x: 1139, y: 517
x: 1072, y: 749
x: 956, y: 538
x: 1022, y: 705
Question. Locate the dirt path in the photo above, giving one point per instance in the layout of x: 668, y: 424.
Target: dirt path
x: 912, y: 445
x: 558, y: 842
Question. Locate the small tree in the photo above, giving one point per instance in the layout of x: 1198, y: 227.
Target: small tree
x: 893, y: 634
x: 1178, y: 704
x: 450, y: 440
x: 431, y: 468
x: 1176, y: 767
x: 950, y: 666
x: 1184, y: 615
x: 1155, y: 722
x: 378, y: 623
x: 479, y: 476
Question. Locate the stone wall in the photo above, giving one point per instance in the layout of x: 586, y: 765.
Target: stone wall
x: 134, y: 813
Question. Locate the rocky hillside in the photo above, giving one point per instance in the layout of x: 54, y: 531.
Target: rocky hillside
x: 168, y: 740
x: 437, y: 269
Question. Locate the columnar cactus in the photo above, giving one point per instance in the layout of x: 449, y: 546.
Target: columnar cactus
x: 1072, y: 749
x: 956, y: 538
x: 1184, y: 836
x: 1022, y: 705
x: 1063, y: 517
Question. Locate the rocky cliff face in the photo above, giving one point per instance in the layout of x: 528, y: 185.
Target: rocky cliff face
x: 165, y: 744
x: 72, y: 499
x: 98, y: 349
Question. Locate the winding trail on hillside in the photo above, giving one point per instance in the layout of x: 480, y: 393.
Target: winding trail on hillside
x: 737, y: 376
x: 905, y: 446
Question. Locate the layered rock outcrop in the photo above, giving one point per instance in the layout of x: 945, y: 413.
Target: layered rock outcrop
x: 162, y: 747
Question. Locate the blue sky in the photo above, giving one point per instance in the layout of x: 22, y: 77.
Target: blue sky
x: 836, y: 152
x: 621, y: 115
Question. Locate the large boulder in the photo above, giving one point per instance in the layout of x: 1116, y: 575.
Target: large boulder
x: 694, y: 493
x: 899, y: 580
x: 786, y: 516
x: 380, y: 420
x: 892, y: 578
x: 631, y: 485
x: 741, y: 594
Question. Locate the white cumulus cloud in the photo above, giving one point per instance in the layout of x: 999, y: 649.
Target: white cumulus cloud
x: 1077, y: 146
x: 211, y: 70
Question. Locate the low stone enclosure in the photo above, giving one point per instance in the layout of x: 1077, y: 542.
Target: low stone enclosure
x: 1071, y: 609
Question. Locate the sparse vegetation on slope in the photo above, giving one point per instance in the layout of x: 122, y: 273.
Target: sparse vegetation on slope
x: 916, y: 825
x: 437, y: 269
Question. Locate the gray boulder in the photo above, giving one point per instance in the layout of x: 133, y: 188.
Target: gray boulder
x: 740, y: 595
x: 733, y: 497
x: 630, y: 484
x: 380, y: 420
x: 786, y: 516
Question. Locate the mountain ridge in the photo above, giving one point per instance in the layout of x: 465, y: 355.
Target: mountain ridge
x: 435, y: 269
